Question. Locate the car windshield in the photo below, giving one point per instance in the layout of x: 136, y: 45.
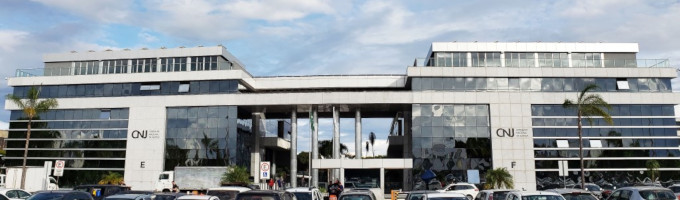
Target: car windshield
x: 675, y: 189
x: 46, y: 196
x: 118, y: 198
x: 303, y: 195
x: 500, y: 195
x: 256, y: 197
x: 542, y: 197
x: 355, y: 197
x: 223, y: 194
x: 447, y: 198
x: 593, y: 187
x: 579, y: 196
x: 657, y: 195
x: 165, y: 197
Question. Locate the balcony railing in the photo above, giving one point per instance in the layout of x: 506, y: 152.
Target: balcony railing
x: 545, y: 63
x: 70, y: 71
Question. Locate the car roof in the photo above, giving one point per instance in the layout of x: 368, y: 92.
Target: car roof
x: 201, y: 197
x: 444, y: 194
x: 263, y: 192
x: 525, y: 193
x: 354, y: 192
x: 567, y: 190
x: 230, y: 188
x: 301, y: 189
x: 644, y: 188
x: 126, y: 196
x: 499, y: 190
x: 59, y: 191
x: 460, y: 184
x: 169, y: 194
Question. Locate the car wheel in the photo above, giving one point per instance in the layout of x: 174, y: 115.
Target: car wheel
x: 469, y: 197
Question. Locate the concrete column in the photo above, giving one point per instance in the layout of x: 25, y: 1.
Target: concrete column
x: 315, y: 146
x: 382, y: 178
x: 357, y: 134
x: 255, y: 150
x: 336, y: 139
x: 293, y: 148
x: 407, y: 176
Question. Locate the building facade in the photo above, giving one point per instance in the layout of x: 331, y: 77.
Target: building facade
x: 464, y: 109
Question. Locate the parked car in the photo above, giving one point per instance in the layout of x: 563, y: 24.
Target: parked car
x: 129, y: 197
x: 167, y: 196
x: 496, y: 194
x: 14, y: 194
x: 607, y: 190
x: 98, y: 192
x: 304, y: 193
x: 469, y: 190
x: 676, y: 189
x: 135, y: 192
x: 540, y: 195
x: 590, y: 187
x: 417, y: 194
x: 357, y: 195
x: 227, y: 192
x: 643, y: 193
x: 265, y: 195
x: 445, y: 196
x: 60, y: 195
x: 198, y: 197
x: 574, y: 194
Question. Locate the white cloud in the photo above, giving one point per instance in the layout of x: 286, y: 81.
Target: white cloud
x: 4, y: 125
x: 100, y: 10
x: 9, y: 39
x: 276, y: 10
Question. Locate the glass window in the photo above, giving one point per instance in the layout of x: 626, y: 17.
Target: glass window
x: 150, y: 86
x: 183, y: 87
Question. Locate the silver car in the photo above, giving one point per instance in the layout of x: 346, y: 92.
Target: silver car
x: 643, y: 193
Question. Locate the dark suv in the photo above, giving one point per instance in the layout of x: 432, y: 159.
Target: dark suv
x: 60, y: 195
x: 98, y: 192
x: 265, y: 195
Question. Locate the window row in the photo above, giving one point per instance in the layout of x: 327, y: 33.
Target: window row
x: 597, y: 143
x: 530, y: 59
x: 71, y: 134
x: 67, y: 154
x: 451, y: 142
x: 143, y: 65
x: 70, y: 163
x: 76, y: 114
x: 200, y: 133
x: 602, y: 122
x: 449, y: 131
x: 68, y: 144
x: 615, y: 164
x: 449, y: 110
x: 616, y: 110
x: 108, y: 124
x: 132, y: 89
x: 458, y: 153
x: 542, y: 84
x: 606, y: 153
x: 222, y: 112
x: 604, y: 132
x: 451, y: 121
x: 449, y: 165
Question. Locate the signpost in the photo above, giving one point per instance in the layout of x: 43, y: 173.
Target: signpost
x: 563, y: 166
x: 59, y: 168
x: 265, y: 170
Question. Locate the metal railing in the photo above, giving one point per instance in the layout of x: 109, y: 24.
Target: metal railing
x: 547, y: 63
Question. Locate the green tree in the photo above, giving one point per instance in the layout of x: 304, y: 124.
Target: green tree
x: 499, y: 178
x: 111, y: 178
x: 32, y: 107
x: 303, y: 161
x: 586, y: 106
x: 652, y: 169
x: 236, y: 174
x: 326, y: 148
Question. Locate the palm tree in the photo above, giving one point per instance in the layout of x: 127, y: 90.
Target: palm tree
x: 326, y: 148
x: 371, y: 138
x: 587, y: 105
x: 652, y: 169
x: 32, y: 107
x: 499, y: 178
x: 111, y: 178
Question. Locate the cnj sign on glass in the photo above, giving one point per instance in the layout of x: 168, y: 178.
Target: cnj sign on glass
x: 512, y: 132
x: 144, y: 134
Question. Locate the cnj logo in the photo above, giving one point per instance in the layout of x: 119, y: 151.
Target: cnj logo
x: 501, y: 132
x: 140, y: 134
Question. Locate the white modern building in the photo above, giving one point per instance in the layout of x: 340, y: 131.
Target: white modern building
x: 464, y: 109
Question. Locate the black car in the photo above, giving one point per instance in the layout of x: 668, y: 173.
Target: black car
x: 98, y: 192
x: 265, y: 195
x: 60, y: 195
x: 167, y: 196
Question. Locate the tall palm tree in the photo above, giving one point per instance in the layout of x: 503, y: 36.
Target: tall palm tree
x: 326, y: 148
x: 499, y: 178
x: 32, y: 107
x: 111, y: 178
x: 586, y: 106
x: 371, y: 138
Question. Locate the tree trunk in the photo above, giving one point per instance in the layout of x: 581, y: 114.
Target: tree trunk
x: 580, y: 151
x: 23, y: 169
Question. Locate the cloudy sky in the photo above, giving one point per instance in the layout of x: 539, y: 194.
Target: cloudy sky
x: 303, y: 37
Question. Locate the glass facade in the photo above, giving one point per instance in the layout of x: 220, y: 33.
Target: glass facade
x: 132, y: 89
x: 450, y: 139
x: 205, y: 136
x: 90, y: 142
x: 640, y: 133
x: 539, y: 84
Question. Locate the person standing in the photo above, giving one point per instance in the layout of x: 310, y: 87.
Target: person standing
x: 271, y: 183
x: 175, y: 188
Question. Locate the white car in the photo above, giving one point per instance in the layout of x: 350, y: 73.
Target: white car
x: 304, y: 193
x: 534, y: 196
x: 445, y: 196
x: 198, y: 197
x: 226, y: 192
x: 469, y: 190
x: 14, y: 194
x: 495, y: 194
